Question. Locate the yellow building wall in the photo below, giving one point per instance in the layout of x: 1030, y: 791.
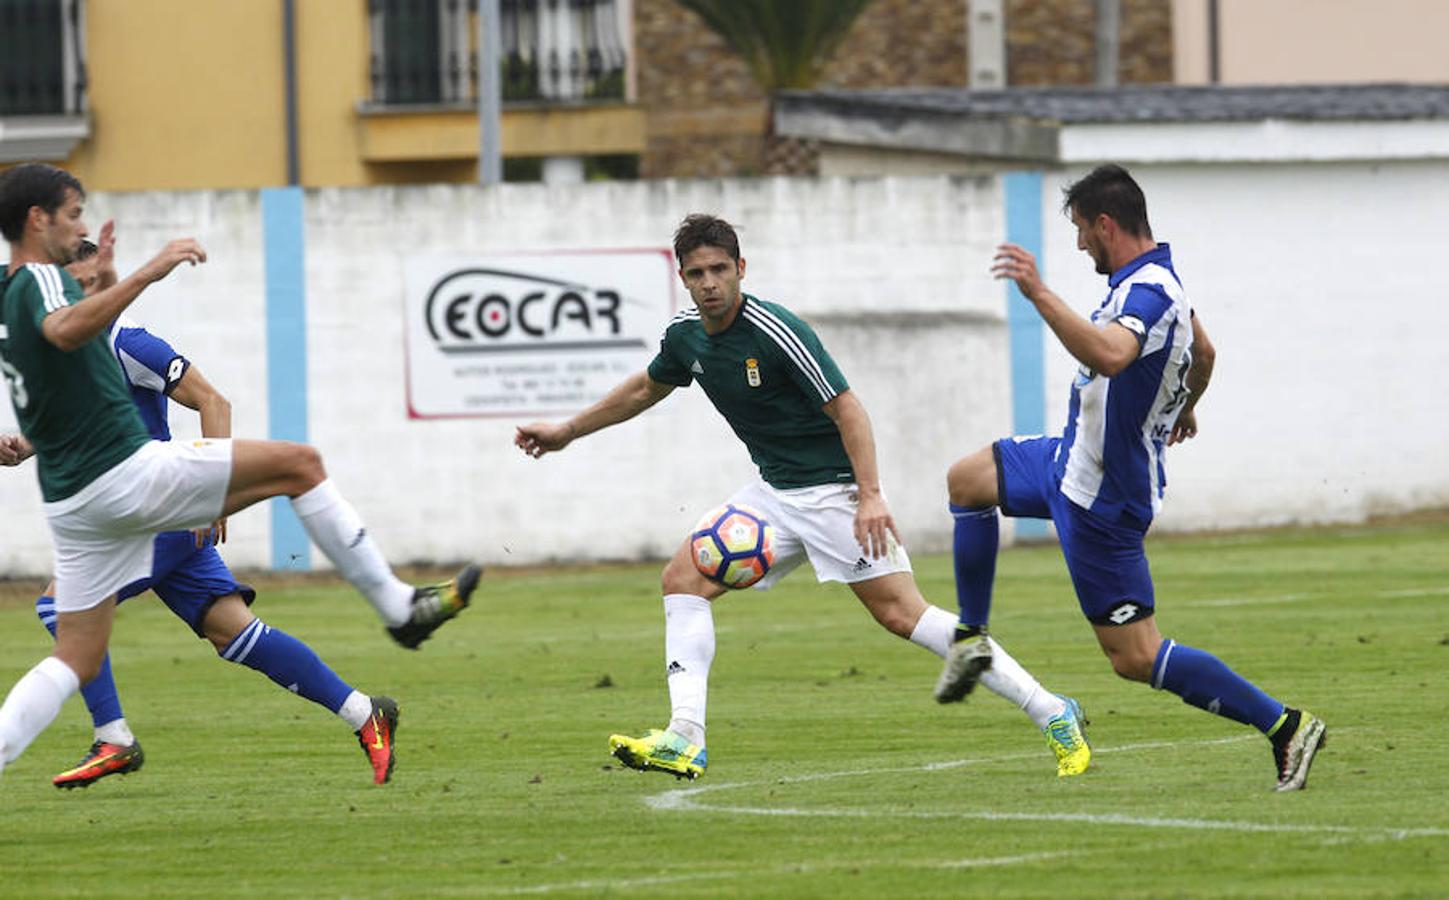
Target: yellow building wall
x: 191, y: 94
x: 333, y: 52
x: 184, y: 94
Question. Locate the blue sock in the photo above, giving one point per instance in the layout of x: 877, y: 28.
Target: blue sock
x: 288, y: 662
x: 975, y: 541
x: 100, y: 695
x: 1206, y: 682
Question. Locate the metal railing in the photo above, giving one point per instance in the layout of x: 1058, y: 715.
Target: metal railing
x: 554, y: 51
x: 42, y: 59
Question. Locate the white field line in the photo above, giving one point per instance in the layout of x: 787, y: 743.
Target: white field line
x: 683, y: 800
x: 1295, y: 598
x: 788, y: 869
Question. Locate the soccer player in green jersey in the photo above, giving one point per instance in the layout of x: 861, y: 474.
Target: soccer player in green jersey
x: 767, y: 373
x: 108, y: 488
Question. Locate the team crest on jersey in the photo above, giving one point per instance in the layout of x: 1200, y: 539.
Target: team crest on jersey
x: 752, y: 372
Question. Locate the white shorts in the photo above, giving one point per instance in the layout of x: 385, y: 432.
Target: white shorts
x: 818, y: 523
x: 103, y: 534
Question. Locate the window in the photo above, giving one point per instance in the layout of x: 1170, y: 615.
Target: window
x: 42, y: 72
x: 423, y: 51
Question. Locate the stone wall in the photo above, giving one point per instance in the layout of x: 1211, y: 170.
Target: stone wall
x: 707, y: 116
x: 1053, y: 42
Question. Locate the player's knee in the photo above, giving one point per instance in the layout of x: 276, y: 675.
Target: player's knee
x: 1131, y: 665
x: 86, y: 666
x: 307, y: 465
x: 226, y: 619
x: 679, y: 577
x: 971, y: 480
x: 897, y: 621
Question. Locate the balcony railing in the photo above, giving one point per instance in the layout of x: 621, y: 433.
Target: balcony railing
x: 42, y: 66
x: 553, y: 51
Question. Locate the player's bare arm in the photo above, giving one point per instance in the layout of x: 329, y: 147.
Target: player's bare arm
x: 624, y: 401
x: 72, y: 326
x: 1105, y: 350
x: 1204, y: 355
x: 873, y: 520
x: 193, y: 391
x: 14, y: 449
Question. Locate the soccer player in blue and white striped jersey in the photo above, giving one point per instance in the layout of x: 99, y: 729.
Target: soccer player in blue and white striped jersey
x: 1145, y: 361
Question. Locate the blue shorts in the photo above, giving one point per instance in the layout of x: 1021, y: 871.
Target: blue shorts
x: 187, y: 578
x: 1106, y: 559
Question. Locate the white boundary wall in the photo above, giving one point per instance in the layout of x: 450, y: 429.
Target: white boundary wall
x: 875, y: 265
x: 1323, y: 286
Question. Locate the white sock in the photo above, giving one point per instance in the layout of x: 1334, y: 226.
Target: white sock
x: 356, y: 709
x: 33, y: 704
x: 688, y: 652
x: 334, y: 526
x: 116, y: 731
x: 1009, y: 680
x: 935, y: 630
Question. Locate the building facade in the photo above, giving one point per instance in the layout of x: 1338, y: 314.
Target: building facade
x: 180, y: 94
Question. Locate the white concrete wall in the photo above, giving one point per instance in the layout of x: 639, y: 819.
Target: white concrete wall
x: 876, y: 264
x: 1324, y: 287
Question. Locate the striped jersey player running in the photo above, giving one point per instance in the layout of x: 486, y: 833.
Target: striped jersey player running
x: 766, y: 372
x: 1145, y: 361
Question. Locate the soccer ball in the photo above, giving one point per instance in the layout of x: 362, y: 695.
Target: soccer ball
x: 733, y: 546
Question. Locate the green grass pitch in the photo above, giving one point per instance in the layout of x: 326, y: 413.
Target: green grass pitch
x: 833, y: 774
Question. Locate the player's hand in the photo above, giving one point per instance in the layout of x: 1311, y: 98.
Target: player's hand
x: 1015, y: 263
x: 14, y: 450
x: 544, y: 437
x: 106, y: 256
x: 213, y: 534
x: 181, y: 250
x: 874, y: 526
x: 1185, y: 427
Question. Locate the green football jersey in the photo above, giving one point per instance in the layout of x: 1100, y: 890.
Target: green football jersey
x: 74, y: 408
x: 769, y: 376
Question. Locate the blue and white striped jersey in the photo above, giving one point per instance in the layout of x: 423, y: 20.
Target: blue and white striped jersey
x: 1110, y: 457
x: 152, y: 370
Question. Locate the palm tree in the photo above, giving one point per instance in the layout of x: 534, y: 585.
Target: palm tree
x: 785, y: 43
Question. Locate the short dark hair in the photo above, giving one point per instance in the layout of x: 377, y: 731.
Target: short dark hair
x: 31, y: 184
x: 1109, y: 189
x: 703, y: 230
x: 86, y: 251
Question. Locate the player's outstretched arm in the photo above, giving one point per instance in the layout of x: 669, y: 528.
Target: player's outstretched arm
x: 72, y: 326
x: 624, y: 401
x: 1204, y: 356
x: 194, y: 392
x: 14, y: 450
x: 1106, y: 350
x: 873, y: 519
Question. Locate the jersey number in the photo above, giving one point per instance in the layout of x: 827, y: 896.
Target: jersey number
x: 17, y: 384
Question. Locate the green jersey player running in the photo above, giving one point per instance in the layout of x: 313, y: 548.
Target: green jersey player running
x: 768, y: 375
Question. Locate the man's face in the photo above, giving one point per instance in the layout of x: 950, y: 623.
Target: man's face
x: 1091, y: 238
x: 62, y: 230
x: 713, y: 280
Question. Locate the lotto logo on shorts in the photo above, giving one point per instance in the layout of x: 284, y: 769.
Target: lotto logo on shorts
x: 1124, y: 613
x: 201, y: 443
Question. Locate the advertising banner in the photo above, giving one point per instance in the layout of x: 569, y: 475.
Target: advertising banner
x: 542, y: 334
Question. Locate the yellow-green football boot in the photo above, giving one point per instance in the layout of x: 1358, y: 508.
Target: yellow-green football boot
x: 661, y: 751
x: 1067, y: 735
